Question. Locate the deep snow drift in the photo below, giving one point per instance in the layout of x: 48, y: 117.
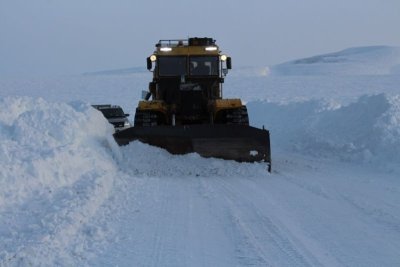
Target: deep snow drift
x: 367, y: 130
x: 69, y: 196
x: 56, y: 171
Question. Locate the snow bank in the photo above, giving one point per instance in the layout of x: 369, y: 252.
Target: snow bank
x: 55, y: 172
x: 372, y: 60
x: 367, y: 130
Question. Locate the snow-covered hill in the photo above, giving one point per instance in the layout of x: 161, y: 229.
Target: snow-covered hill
x: 70, y: 197
x: 372, y: 60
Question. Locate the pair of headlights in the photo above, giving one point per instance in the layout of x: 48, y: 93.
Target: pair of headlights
x: 154, y: 57
x: 168, y: 49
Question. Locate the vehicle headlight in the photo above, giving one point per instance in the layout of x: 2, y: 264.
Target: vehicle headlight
x: 211, y: 48
x: 223, y: 57
x: 153, y: 58
x: 166, y: 49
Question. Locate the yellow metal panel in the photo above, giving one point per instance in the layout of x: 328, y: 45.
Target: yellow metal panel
x: 153, y: 105
x: 227, y: 103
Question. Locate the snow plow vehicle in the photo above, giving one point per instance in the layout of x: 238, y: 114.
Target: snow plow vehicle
x: 184, y: 111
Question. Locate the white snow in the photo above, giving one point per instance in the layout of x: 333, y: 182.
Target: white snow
x: 370, y: 60
x: 366, y: 130
x: 69, y: 196
x: 56, y: 171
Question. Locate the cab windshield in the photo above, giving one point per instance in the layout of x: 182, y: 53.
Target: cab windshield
x: 172, y: 66
x: 178, y: 65
x: 204, y: 66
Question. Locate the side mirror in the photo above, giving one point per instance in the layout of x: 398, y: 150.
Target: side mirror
x: 149, y: 64
x: 145, y: 95
x: 229, y: 63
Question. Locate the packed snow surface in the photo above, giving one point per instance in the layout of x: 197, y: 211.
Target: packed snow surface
x: 69, y: 196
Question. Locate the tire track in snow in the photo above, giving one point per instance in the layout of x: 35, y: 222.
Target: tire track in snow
x: 261, y: 240
x: 182, y: 228
x: 172, y: 218
x: 360, y: 225
x: 162, y: 229
x: 372, y: 212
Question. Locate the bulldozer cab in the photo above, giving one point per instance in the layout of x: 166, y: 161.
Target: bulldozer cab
x: 186, y: 65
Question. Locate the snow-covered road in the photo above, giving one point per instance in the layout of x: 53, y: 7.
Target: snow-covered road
x: 300, y: 215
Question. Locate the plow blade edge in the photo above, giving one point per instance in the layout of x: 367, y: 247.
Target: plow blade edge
x: 232, y: 142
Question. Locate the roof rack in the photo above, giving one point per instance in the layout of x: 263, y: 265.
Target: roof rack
x: 193, y: 41
x: 173, y: 42
x: 196, y: 41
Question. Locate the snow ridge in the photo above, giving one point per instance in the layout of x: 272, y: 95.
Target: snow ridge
x: 56, y: 171
x: 367, y: 130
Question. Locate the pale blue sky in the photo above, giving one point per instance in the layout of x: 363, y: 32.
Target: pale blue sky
x: 48, y: 37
